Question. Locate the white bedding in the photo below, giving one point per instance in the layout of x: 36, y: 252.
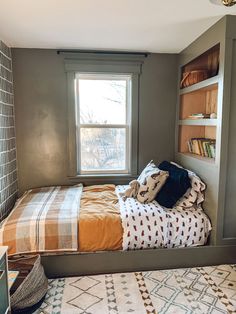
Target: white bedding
x: 152, y: 226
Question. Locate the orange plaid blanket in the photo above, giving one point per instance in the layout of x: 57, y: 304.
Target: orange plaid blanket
x: 43, y: 220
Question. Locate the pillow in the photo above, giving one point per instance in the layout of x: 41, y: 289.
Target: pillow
x: 175, y: 187
x: 195, y: 194
x: 151, y: 180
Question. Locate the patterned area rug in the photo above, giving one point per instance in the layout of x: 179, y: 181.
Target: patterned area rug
x: 193, y: 290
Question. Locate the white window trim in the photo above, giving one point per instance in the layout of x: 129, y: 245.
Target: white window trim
x: 127, y: 126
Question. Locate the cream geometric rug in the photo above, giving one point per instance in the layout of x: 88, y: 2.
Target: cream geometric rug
x: 200, y: 290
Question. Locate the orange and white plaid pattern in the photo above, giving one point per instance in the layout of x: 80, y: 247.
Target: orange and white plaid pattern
x: 43, y: 220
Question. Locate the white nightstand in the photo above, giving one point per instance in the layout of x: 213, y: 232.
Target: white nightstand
x: 4, y: 291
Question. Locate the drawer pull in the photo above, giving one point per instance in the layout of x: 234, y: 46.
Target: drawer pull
x: 1, y: 273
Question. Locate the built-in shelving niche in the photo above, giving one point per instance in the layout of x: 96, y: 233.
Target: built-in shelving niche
x: 199, y: 98
x: 208, y: 61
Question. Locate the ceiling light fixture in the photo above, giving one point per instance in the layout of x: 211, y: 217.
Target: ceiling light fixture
x: 227, y: 3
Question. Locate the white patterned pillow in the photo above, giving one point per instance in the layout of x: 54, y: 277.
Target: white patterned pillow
x: 151, y: 181
x: 195, y: 194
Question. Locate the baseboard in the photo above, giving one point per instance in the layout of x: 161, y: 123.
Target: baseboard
x: 141, y: 260
x: 227, y: 241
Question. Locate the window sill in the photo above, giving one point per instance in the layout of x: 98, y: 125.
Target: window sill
x: 103, y: 178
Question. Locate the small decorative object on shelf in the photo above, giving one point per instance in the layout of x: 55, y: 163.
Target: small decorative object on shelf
x: 193, y: 77
x: 199, y: 116
x: 213, y: 115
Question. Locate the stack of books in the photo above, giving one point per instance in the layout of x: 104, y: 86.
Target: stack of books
x: 199, y: 116
x: 202, y: 146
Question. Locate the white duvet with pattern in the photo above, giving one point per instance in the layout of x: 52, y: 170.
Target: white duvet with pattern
x: 152, y: 226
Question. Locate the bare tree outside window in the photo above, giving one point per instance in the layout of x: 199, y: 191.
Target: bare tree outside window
x: 103, y: 114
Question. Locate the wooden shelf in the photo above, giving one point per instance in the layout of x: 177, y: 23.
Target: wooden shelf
x: 201, y: 97
x: 203, y: 122
x: 208, y: 84
x: 201, y: 158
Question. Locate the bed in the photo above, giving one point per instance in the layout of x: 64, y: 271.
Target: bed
x: 92, y: 230
x: 97, y: 218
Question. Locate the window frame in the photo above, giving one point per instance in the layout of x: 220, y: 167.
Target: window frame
x: 127, y: 126
x: 102, y: 63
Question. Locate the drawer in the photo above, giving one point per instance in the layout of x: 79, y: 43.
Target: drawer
x: 4, y: 302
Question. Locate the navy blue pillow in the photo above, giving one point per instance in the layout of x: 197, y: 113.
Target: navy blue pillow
x: 175, y: 187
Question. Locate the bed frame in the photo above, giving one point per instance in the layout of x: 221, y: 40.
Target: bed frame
x: 75, y: 264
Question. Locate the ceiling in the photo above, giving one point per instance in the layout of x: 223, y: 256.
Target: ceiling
x: 132, y: 25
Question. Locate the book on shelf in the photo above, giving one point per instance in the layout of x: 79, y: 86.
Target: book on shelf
x: 205, y: 147
x: 199, y: 116
x: 213, y: 150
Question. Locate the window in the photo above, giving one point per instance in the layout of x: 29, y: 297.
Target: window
x: 103, y: 101
x: 103, y: 106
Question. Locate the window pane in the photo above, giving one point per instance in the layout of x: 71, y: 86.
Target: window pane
x: 102, y: 149
x: 102, y: 101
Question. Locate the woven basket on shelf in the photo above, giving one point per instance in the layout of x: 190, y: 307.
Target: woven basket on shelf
x: 193, y: 77
x: 31, y: 285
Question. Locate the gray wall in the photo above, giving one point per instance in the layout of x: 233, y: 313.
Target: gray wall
x: 41, y: 114
x: 8, y: 168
